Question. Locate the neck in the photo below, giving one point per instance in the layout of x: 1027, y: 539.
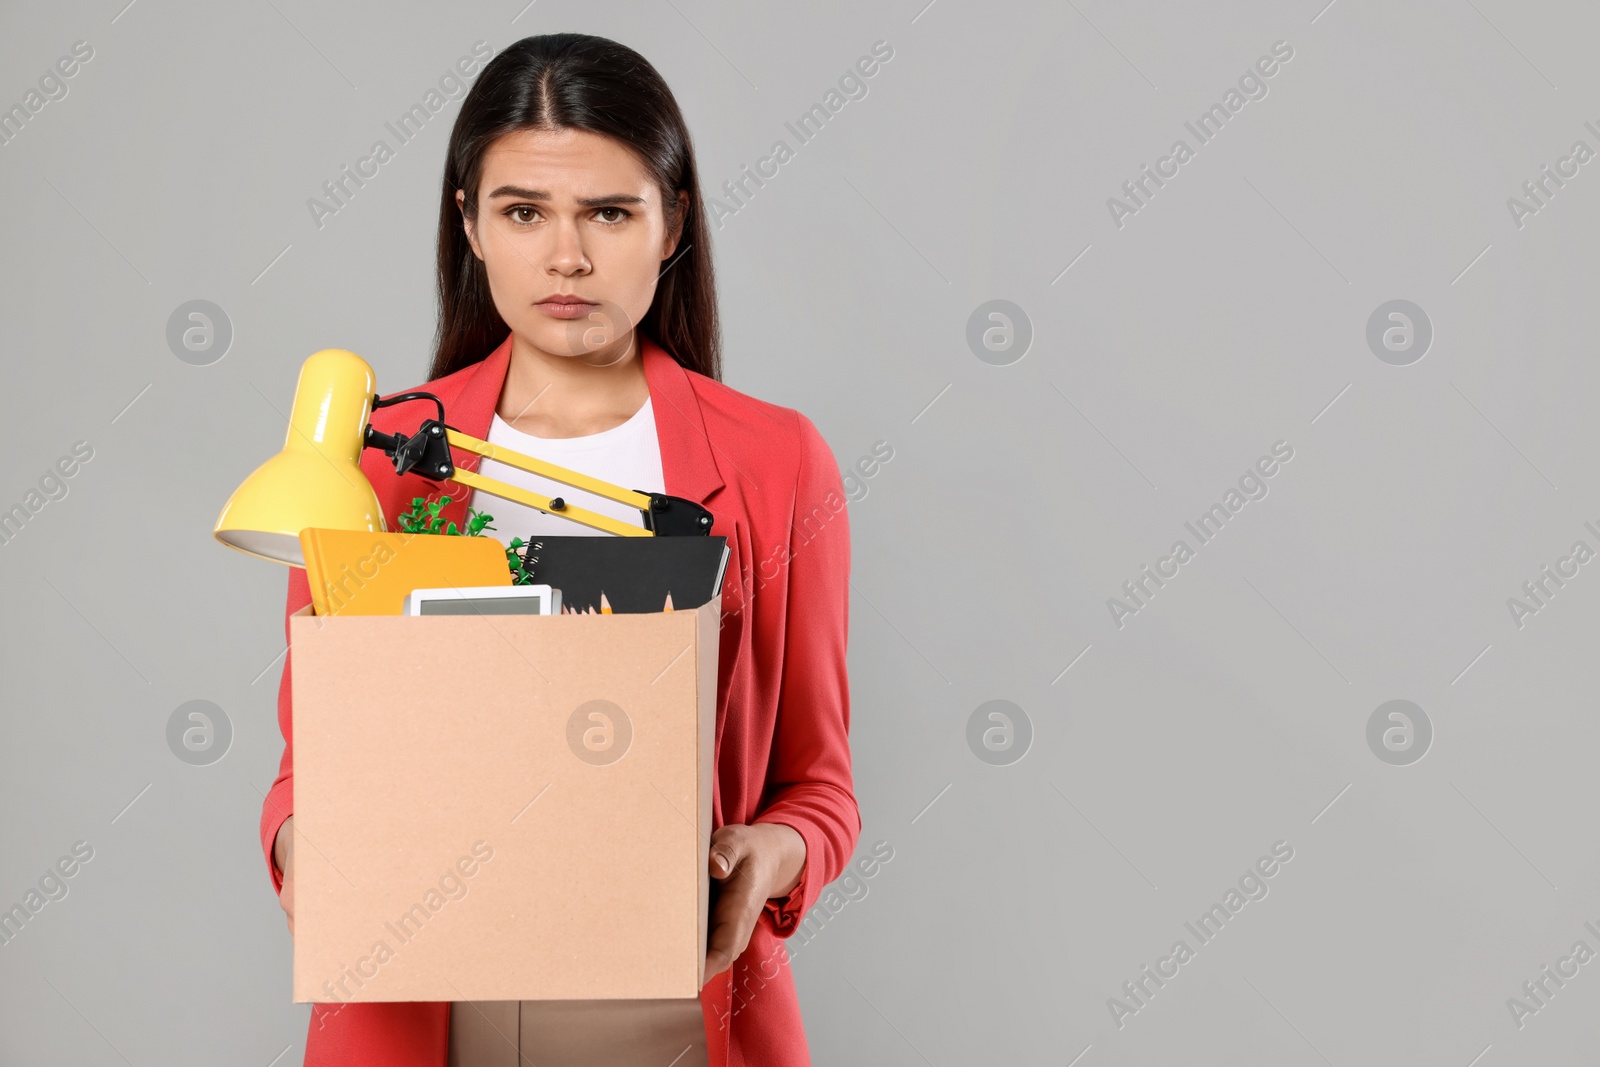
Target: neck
x: 548, y: 395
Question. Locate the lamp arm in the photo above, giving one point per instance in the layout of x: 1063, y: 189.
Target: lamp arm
x: 427, y: 453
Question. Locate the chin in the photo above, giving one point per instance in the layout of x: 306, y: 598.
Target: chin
x: 572, y: 338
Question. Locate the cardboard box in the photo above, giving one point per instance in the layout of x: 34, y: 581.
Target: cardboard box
x: 502, y: 808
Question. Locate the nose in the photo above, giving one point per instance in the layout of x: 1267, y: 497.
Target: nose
x: 567, y: 256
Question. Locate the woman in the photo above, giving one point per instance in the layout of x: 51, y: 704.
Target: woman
x: 578, y: 323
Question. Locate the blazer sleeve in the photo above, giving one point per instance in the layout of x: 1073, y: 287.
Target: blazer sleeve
x: 809, y: 785
x: 279, y: 802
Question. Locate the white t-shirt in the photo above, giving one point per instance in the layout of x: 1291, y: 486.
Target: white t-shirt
x: 628, y: 455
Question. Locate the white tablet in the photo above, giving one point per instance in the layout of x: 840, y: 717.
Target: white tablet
x: 485, y: 600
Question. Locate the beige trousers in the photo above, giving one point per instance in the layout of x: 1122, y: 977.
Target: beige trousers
x: 486, y: 1033
x: 595, y: 1033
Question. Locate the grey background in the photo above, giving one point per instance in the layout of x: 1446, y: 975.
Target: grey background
x: 1228, y: 314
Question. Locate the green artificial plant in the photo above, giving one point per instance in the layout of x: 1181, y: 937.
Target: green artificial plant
x: 424, y: 517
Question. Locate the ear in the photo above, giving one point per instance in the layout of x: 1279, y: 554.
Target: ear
x: 466, y: 223
x: 670, y: 245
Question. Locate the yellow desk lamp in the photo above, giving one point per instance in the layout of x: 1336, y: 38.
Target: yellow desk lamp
x: 316, y: 481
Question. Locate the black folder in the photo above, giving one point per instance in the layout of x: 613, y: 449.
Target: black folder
x: 635, y: 573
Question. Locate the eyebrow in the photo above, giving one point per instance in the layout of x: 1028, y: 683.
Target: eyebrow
x: 587, y: 201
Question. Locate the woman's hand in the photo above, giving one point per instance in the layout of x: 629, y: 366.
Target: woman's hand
x: 283, y: 856
x: 753, y: 863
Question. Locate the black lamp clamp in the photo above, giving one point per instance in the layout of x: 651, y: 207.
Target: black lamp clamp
x: 427, y: 453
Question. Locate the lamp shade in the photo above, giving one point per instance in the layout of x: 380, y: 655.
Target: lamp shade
x: 316, y: 480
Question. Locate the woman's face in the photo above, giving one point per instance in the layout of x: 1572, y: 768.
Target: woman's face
x: 569, y: 213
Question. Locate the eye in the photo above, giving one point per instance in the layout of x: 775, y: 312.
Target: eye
x: 621, y: 215
x: 514, y: 213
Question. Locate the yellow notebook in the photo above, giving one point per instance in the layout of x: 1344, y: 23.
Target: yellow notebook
x: 354, y: 572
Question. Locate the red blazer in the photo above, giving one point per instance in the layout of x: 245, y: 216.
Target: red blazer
x: 783, y: 704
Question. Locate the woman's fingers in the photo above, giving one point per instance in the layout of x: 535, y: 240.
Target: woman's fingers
x: 286, y: 898
x: 726, y: 850
x: 283, y: 844
x: 283, y: 854
x: 738, y: 907
x: 733, y: 863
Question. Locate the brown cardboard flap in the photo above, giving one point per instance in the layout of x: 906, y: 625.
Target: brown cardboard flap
x: 502, y: 808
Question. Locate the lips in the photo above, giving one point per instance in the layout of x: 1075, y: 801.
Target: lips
x: 565, y: 306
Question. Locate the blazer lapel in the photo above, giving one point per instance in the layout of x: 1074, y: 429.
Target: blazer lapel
x: 688, y: 466
x: 471, y: 411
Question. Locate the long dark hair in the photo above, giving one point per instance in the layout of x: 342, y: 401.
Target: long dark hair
x: 575, y: 81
